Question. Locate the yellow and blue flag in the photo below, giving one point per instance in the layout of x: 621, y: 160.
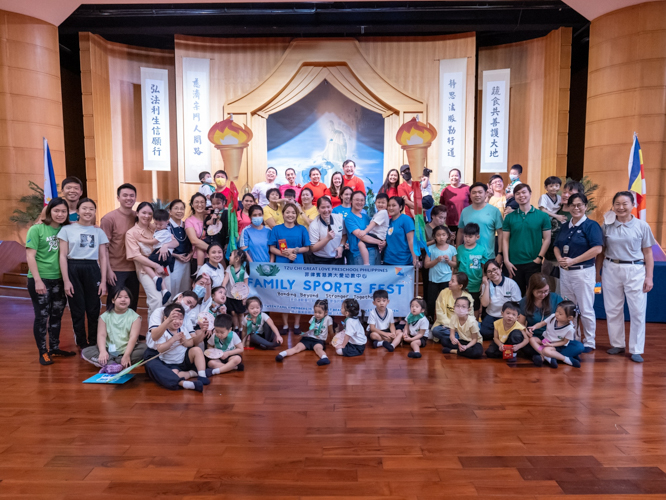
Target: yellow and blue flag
x: 637, y: 179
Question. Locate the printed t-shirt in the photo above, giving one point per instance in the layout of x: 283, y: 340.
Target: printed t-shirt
x: 44, y: 239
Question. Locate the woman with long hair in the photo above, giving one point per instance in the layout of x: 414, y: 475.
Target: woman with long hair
x: 390, y: 186
x: 337, y: 183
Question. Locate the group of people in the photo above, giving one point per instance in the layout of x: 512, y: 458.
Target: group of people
x: 489, y: 273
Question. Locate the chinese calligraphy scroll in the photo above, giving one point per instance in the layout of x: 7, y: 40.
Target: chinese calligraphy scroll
x: 495, y: 121
x: 196, y: 116
x: 155, y: 118
x: 452, y: 111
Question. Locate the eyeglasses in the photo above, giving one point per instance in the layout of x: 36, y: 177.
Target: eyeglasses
x: 578, y: 206
x: 493, y: 270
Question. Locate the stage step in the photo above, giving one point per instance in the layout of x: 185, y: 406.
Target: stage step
x: 14, y: 291
x: 15, y: 279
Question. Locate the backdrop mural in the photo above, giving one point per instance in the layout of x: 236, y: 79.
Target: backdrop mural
x: 323, y: 130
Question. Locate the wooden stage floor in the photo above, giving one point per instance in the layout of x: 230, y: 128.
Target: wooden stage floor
x: 377, y: 427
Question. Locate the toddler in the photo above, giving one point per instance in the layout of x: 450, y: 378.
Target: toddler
x: 354, y: 340
x: 559, y: 334
x: 508, y: 333
x: 207, y: 186
x: 381, y: 323
x: 416, y: 329
x: 551, y: 202
x: 162, y: 245
x: 226, y: 340
x: 321, y: 326
x: 378, y: 226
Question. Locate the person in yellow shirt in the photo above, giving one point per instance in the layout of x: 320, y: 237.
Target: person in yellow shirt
x: 445, y: 305
x: 465, y: 338
x: 508, y: 332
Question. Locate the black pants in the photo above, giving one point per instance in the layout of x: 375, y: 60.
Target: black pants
x: 316, y: 259
x: 265, y: 340
x: 487, y: 327
x: 474, y: 352
x: 160, y: 373
x: 167, y: 262
x: 126, y: 279
x: 514, y: 338
x: 48, y: 312
x: 434, y: 290
x: 85, y: 276
x: 523, y: 274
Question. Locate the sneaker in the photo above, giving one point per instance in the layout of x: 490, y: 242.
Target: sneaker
x: 388, y: 346
x: 323, y: 362
x: 165, y: 297
x: 553, y: 363
x: 240, y: 367
x: 59, y: 353
x: 297, y: 330
x: 575, y: 363
x: 414, y: 355
x: 279, y: 358
x: 45, y: 359
x: 158, y: 284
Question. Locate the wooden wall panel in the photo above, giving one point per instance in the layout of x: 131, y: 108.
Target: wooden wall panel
x: 539, y: 109
x: 627, y: 94
x: 111, y: 73
x: 30, y: 109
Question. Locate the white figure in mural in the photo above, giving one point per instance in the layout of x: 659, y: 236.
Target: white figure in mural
x: 336, y: 146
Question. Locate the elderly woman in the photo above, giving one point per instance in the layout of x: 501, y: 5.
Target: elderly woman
x: 578, y: 243
x: 138, y: 251
x: 628, y: 265
x: 181, y: 276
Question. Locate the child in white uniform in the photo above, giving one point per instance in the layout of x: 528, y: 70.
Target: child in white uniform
x: 378, y: 226
x: 560, y: 330
x: 321, y: 326
x: 551, y: 202
x: 381, y: 323
x: 354, y: 339
x: 417, y: 328
x: 225, y: 340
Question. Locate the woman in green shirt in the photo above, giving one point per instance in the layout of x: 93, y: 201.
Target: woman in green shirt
x: 117, y: 334
x: 45, y: 284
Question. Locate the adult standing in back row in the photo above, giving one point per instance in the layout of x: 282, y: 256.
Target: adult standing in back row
x: 121, y: 273
x: 455, y: 197
x: 526, y: 238
x: 486, y: 216
x: 350, y: 179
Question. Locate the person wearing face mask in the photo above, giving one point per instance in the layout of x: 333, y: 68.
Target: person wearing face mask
x: 464, y: 337
x: 455, y: 197
x: 254, y: 238
x: 261, y: 188
x: 405, y: 190
x: 514, y: 177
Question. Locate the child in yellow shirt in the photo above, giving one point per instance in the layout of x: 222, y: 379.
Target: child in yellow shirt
x: 508, y: 333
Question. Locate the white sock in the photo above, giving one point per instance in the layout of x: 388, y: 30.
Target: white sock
x: 379, y: 343
x: 202, y: 373
x: 323, y: 356
x: 546, y: 359
x: 284, y: 354
x: 216, y: 371
x: 188, y: 385
x: 567, y: 361
x: 155, y: 279
x: 338, y: 352
x: 193, y: 373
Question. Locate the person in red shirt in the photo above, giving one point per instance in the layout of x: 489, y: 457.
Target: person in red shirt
x: 405, y: 190
x: 317, y: 187
x: 350, y: 179
x: 337, y: 183
x: 390, y: 186
x: 455, y: 197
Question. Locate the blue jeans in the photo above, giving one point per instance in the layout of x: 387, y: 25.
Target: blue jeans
x: 373, y: 257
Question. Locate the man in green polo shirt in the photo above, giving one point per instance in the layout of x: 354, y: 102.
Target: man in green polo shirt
x: 526, y: 238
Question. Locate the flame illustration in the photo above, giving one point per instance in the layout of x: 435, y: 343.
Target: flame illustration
x: 228, y: 133
x: 415, y: 133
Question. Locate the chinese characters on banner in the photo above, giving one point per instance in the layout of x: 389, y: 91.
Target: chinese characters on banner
x: 495, y: 127
x: 155, y: 118
x: 452, y: 99
x: 196, y: 113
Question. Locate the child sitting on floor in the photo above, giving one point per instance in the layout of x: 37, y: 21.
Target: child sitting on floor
x: 259, y: 327
x: 321, y: 326
x: 445, y: 305
x: 509, y: 334
x: 559, y: 334
x: 225, y: 340
x: 416, y: 330
x: 381, y: 323
x: 177, y: 351
x: 354, y: 340
x: 464, y: 336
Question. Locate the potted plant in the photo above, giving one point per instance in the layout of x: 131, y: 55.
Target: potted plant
x: 34, y: 204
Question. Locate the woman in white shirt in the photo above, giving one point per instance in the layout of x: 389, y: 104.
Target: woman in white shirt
x: 496, y: 289
x: 327, y: 235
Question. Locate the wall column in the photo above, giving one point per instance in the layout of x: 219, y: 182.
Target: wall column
x: 30, y: 108
x: 626, y: 94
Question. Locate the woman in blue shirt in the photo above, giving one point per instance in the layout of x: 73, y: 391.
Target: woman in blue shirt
x: 254, y: 238
x: 295, y: 242
x: 577, y: 245
x: 400, y: 236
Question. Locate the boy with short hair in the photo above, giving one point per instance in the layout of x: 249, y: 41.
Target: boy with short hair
x: 227, y: 341
x: 207, y: 186
x: 471, y: 257
x: 551, y: 202
x: 177, y: 350
x: 509, y: 334
x: 464, y: 338
x: 381, y: 323
x: 378, y: 226
x: 162, y: 245
x: 514, y: 176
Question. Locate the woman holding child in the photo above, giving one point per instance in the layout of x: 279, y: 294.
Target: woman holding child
x: 181, y: 275
x: 138, y: 249
x: 355, y: 223
x: 82, y: 245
